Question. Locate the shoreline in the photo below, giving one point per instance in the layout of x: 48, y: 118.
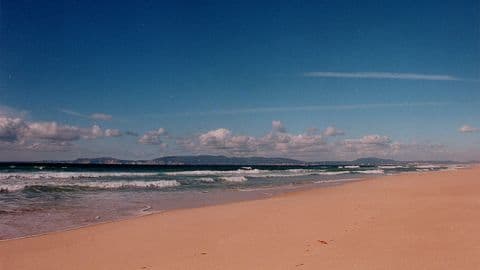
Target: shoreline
x: 190, y: 200
x: 277, y: 192
x: 284, y: 227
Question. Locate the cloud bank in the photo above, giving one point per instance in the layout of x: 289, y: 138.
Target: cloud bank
x: 309, y: 145
x: 333, y: 131
x: 153, y: 137
x: 18, y: 133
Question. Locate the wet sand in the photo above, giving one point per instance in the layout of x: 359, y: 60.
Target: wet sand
x: 408, y: 221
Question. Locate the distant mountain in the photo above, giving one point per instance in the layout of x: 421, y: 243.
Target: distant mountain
x: 100, y: 160
x: 224, y: 160
x: 375, y: 161
x: 194, y: 160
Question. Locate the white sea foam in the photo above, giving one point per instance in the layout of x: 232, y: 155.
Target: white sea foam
x: 249, y: 173
x: 390, y: 167
x: 71, y: 175
x: 371, y: 172
x: 337, y: 180
x: 235, y: 179
x: 93, y: 184
x: 334, y: 173
x: 351, y: 167
x: 219, y: 173
x: 206, y: 179
x: 11, y: 187
x: 290, y: 173
x: 455, y: 167
x: 428, y: 166
x: 130, y: 184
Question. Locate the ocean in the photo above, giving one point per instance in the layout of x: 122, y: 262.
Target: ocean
x: 39, y: 198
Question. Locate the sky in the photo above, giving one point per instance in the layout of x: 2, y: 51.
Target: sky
x: 313, y: 80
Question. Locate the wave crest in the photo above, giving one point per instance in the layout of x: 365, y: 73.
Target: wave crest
x: 51, y: 186
x: 235, y: 179
x: 71, y: 175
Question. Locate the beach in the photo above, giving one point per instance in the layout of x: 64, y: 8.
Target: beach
x: 409, y: 221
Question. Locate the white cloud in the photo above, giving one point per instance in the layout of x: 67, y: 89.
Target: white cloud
x: 101, y: 116
x: 17, y: 133
x: 49, y: 146
x: 468, y: 129
x: 93, y: 116
x: 333, y: 131
x: 276, y: 142
x: 309, y: 145
x: 11, y: 129
x: 11, y: 112
x: 56, y: 132
x: 153, y: 137
x: 384, y: 146
x: 382, y: 75
x: 113, y: 133
x: 367, y: 145
x: 74, y: 113
x: 224, y: 141
x: 215, y: 138
x: 92, y: 133
x: 278, y: 126
x: 53, y: 131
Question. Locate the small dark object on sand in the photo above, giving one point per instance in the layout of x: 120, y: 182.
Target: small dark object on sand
x: 323, y: 242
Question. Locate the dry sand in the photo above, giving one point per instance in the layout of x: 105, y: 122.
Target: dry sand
x: 409, y: 221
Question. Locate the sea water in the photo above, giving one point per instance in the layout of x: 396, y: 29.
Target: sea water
x: 38, y: 198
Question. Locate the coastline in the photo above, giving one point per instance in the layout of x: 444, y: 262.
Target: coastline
x: 374, y: 223
x: 169, y: 201
x: 220, y: 197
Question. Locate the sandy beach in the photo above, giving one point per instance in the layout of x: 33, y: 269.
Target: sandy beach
x: 408, y: 221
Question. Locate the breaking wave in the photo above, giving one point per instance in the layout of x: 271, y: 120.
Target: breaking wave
x: 250, y: 173
x: 390, y: 167
x: 235, y: 179
x: 219, y: 173
x: 71, y: 175
x: 334, y: 173
x: 52, y: 186
x: 371, y: 171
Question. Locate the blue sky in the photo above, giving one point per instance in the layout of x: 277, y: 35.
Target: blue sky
x: 396, y: 79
